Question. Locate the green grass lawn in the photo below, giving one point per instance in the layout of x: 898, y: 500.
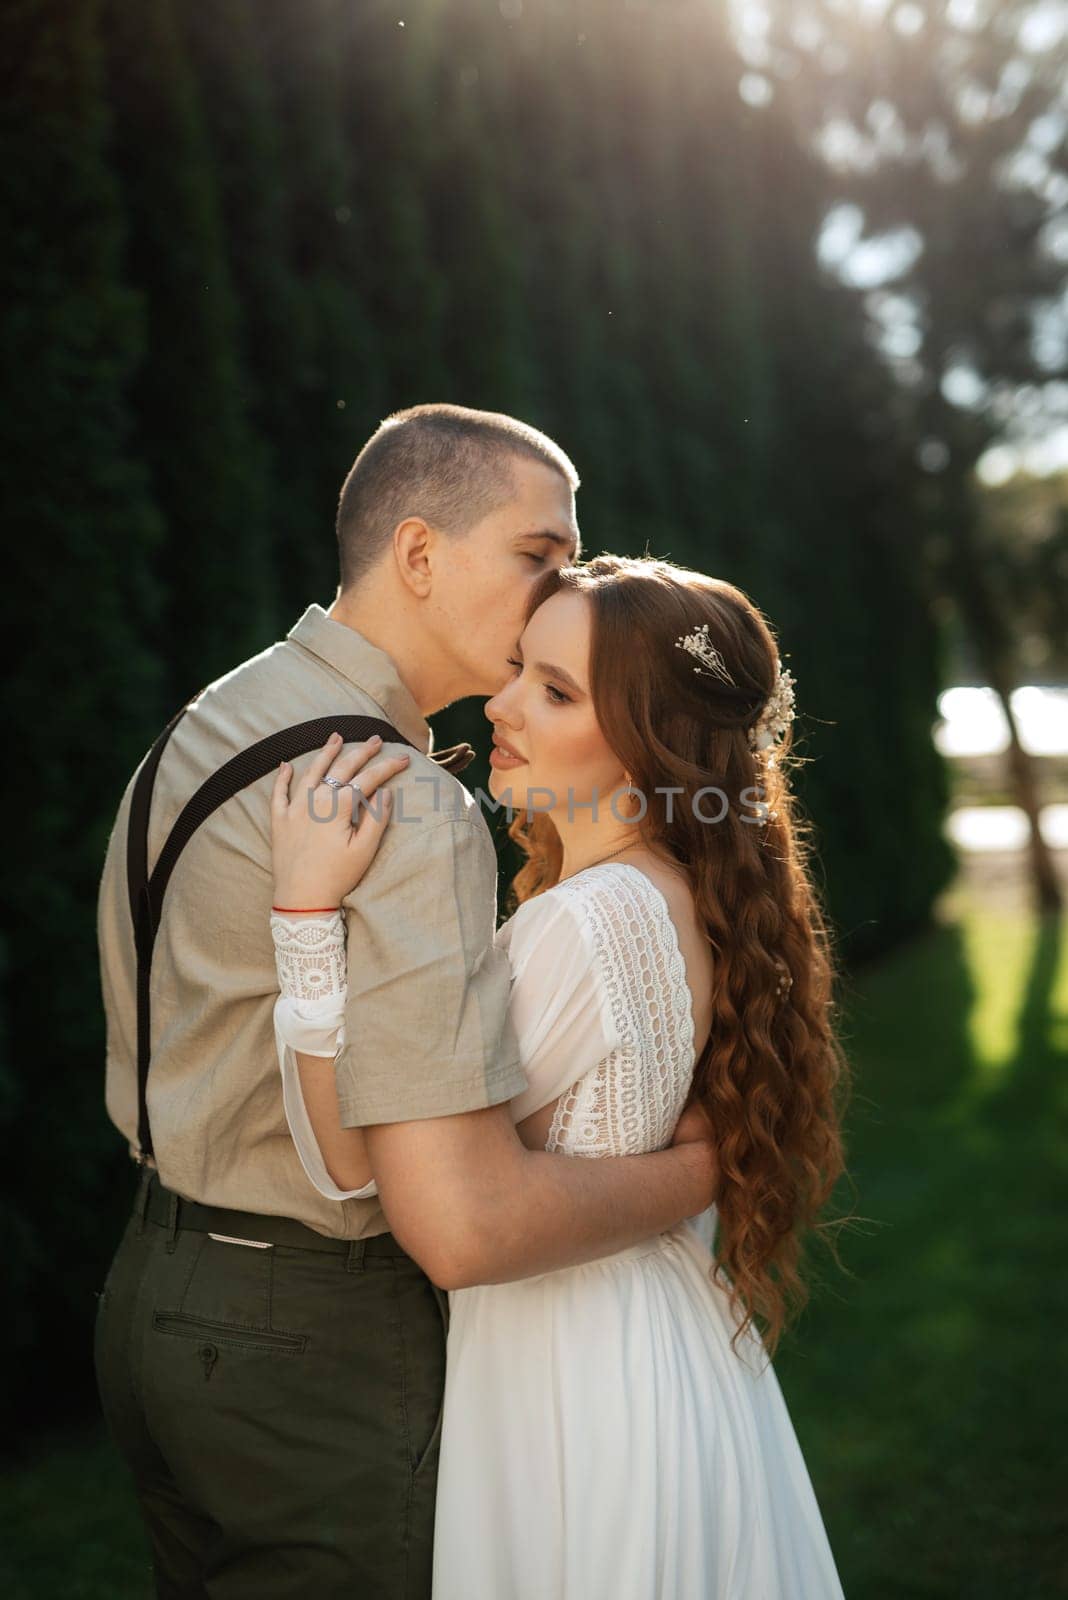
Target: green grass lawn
x: 928, y: 1388
x: 926, y: 1384
x: 69, y: 1526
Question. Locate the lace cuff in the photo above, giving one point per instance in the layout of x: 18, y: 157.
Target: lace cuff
x: 309, y: 955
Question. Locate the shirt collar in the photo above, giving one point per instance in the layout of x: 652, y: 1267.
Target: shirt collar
x: 366, y: 667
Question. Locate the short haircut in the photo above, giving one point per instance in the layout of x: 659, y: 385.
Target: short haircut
x: 448, y: 464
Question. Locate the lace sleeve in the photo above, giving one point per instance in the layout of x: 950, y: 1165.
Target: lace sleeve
x: 309, y: 1017
x: 629, y: 1103
x: 557, y: 1003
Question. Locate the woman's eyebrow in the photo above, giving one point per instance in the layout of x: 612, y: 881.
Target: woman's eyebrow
x: 551, y: 671
x: 557, y: 672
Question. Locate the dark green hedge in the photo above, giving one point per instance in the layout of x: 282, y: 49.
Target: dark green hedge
x: 239, y: 234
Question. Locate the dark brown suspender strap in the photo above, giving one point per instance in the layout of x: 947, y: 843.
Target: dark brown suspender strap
x: 146, y: 890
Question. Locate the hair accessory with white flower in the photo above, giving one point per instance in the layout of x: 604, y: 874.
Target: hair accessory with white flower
x: 698, y: 644
x: 778, y: 712
x: 777, y: 715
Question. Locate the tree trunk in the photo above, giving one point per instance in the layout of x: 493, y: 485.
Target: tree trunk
x: 990, y: 634
x: 1047, y: 890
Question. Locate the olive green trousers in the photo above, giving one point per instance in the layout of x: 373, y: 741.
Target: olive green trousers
x: 279, y: 1405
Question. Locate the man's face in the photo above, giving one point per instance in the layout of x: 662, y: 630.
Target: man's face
x: 483, y: 585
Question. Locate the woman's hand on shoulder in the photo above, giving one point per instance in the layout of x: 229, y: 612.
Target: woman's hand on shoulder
x: 324, y: 838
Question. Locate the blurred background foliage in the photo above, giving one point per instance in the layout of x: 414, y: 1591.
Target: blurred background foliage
x: 786, y: 280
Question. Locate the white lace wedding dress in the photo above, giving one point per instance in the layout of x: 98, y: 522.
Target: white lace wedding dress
x: 601, y: 1440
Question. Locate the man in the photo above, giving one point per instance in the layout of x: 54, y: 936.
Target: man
x: 271, y: 1363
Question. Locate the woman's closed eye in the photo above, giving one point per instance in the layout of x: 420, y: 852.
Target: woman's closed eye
x: 557, y: 696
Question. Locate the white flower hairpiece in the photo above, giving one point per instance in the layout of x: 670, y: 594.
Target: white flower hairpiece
x: 698, y: 644
x: 778, y: 712
x: 777, y: 715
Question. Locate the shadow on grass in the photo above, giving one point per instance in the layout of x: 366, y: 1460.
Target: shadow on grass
x: 925, y: 1388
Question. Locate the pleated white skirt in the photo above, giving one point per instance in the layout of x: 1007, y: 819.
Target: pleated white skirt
x: 601, y: 1441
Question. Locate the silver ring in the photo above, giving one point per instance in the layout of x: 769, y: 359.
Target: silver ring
x: 336, y: 783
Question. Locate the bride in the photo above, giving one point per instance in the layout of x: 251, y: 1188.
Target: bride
x: 616, y: 1428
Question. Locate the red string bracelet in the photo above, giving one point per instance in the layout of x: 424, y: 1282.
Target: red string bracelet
x: 305, y: 910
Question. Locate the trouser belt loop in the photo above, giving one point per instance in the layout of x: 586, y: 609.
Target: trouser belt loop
x: 354, y: 1257
x: 172, y: 1223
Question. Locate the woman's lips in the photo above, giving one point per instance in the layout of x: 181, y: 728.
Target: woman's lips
x: 504, y: 760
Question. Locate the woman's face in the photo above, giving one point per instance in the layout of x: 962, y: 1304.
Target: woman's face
x: 545, y: 716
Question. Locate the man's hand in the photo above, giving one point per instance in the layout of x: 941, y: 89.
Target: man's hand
x: 694, y: 1123
x: 695, y: 1127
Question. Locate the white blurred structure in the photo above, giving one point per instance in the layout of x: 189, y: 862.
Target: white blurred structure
x: 1004, y: 827
x: 974, y: 725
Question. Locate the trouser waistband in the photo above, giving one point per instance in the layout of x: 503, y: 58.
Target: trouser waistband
x: 169, y: 1210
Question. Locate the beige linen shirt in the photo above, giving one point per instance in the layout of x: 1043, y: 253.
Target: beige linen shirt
x: 426, y: 1024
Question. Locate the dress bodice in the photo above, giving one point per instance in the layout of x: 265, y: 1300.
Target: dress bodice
x: 603, y: 1011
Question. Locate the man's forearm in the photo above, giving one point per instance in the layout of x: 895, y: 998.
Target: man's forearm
x: 560, y: 1211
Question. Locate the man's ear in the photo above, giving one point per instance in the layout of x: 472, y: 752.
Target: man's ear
x: 413, y: 542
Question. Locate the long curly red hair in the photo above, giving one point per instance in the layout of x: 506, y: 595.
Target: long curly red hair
x: 773, y: 1076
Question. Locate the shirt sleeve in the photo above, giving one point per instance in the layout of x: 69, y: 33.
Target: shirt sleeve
x: 428, y: 1031
x: 559, y: 1003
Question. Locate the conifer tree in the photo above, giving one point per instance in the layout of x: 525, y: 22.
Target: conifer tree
x: 189, y: 394
x: 84, y: 694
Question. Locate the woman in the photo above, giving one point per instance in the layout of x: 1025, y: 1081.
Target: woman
x: 616, y: 1428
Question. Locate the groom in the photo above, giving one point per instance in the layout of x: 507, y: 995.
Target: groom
x: 271, y: 1363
